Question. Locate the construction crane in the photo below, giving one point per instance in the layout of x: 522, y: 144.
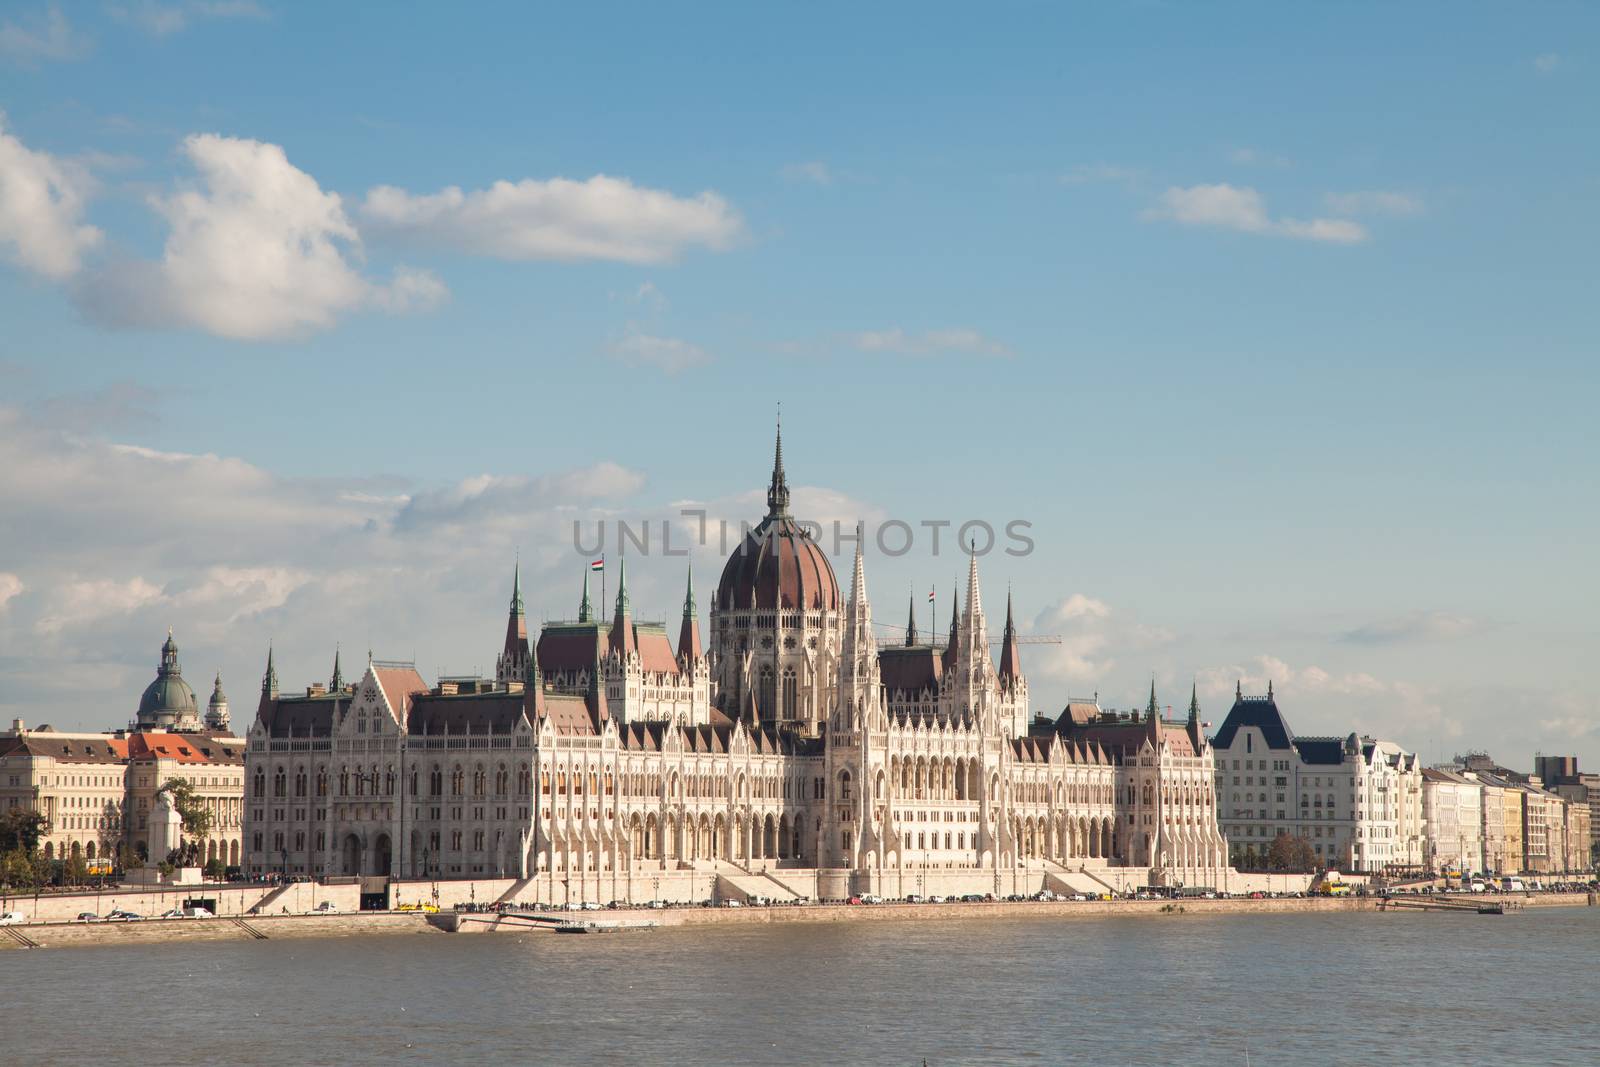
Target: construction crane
x: 897, y: 635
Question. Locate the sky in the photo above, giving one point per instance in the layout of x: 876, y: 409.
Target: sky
x: 1274, y: 324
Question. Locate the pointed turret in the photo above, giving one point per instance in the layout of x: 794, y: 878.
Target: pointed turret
x: 585, y: 612
x: 217, y: 709
x: 1152, y: 715
x: 859, y: 679
x: 1196, y: 737
x: 1010, y: 655
x: 778, y: 490
x: 974, y: 598
x: 911, y: 622
x: 533, y: 687
x: 955, y: 626
x: 269, y: 681
x: 513, y: 660
x: 596, y: 696
x: 336, y: 683
x: 689, y: 646
x: 622, y: 636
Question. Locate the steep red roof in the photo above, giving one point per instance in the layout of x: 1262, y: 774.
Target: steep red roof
x: 655, y: 651
x: 400, y: 685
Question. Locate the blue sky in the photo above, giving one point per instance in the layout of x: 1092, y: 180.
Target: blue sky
x: 1276, y: 323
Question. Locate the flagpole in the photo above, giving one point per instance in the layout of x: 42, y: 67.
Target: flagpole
x: 603, y: 600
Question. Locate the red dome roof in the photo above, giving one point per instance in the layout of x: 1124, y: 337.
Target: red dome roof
x: 778, y: 565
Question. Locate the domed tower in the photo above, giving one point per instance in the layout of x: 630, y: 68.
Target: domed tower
x: 775, y: 621
x: 217, y: 709
x: 168, y: 702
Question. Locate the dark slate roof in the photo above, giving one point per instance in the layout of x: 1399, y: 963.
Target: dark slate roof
x: 299, y: 716
x: 469, y: 713
x: 1260, y: 712
x: 912, y: 669
x: 1320, y: 749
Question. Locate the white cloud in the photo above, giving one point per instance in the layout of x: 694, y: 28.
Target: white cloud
x: 603, y: 218
x: 1316, y: 700
x: 81, y: 601
x: 1373, y: 202
x: 814, y: 171
x: 10, y: 587
x: 46, y: 36
x: 668, y: 354
x: 257, y: 250
x: 1546, y: 63
x: 41, y: 209
x: 1091, y: 636
x: 1241, y: 208
x: 160, y: 20
x: 928, y: 342
x: 1415, y: 626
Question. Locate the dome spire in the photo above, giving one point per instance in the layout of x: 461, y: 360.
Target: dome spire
x: 778, y: 491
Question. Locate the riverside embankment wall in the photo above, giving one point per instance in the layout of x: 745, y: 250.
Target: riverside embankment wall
x: 50, y: 935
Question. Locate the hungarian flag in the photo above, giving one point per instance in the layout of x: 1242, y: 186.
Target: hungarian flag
x: 598, y: 565
x: 930, y: 596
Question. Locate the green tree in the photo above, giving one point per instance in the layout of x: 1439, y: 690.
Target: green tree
x: 16, y: 869
x: 21, y: 828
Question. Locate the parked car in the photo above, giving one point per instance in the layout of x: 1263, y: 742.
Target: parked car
x: 732, y: 904
x: 87, y: 917
x: 871, y: 898
x: 327, y: 907
x: 936, y: 900
x: 124, y: 916
x: 12, y: 918
x: 591, y: 905
x: 658, y: 904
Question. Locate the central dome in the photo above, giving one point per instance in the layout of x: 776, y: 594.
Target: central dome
x: 779, y: 564
x: 168, y: 701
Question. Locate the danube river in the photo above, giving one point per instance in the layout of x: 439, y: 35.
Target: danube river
x: 1271, y: 990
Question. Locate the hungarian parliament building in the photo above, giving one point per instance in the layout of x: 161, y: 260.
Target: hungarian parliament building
x: 790, y: 755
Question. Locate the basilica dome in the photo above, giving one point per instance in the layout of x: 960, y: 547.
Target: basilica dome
x: 779, y: 564
x: 168, y: 702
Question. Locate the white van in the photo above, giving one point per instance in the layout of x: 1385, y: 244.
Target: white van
x: 12, y: 918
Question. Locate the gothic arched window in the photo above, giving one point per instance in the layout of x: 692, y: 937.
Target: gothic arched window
x: 791, y: 694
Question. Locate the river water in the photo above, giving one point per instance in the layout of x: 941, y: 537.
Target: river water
x: 1316, y: 989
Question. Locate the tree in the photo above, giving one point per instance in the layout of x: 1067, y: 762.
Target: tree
x: 20, y: 829
x: 1287, y: 853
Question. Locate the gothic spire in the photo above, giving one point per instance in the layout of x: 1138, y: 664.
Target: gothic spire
x: 516, y: 588
x: 689, y: 632
x: 778, y: 490
x: 955, y: 620
x: 622, y: 587
x: 1150, y: 709
x: 1010, y: 655
x: 911, y: 622
x: 269, y: 681
x: 336, y: 683
x: 623, y: 640
x: 974, y: 599
x: 858, y: 575
x: 585, y: 612
x: 1194, y: 702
